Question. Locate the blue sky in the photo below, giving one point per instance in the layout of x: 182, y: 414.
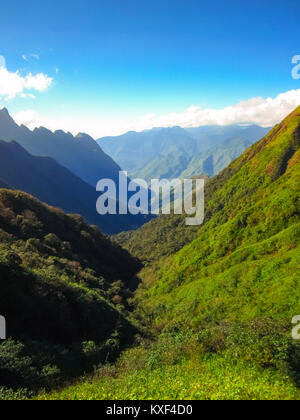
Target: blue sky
x: 114, y: 61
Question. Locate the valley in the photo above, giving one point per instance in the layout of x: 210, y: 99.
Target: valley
x: 179, y: 312
x: 149, y: 203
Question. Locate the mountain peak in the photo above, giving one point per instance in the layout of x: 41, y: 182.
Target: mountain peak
x: 84, y: 136
x: 4, y: 111
x: 4, y: 114
x: 7, y: 125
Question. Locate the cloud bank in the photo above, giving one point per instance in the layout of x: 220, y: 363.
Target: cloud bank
x: 262, y: 111
x: 12, y: 84
x: 265, y: 112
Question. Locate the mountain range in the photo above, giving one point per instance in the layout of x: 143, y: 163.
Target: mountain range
x: 80, y: 154
x: 178, y: 152
x: 57, y: 171
x: 55, y: 185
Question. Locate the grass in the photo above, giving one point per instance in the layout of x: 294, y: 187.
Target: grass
x: 217, y: 378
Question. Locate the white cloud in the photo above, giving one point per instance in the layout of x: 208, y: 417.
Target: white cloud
x: 27, y: 57
x: 13, y: 84
x: 264, y: 112
x: 39, y: 82
x: 2, y: 62
x: 27, y: 118
x: 27, y: 95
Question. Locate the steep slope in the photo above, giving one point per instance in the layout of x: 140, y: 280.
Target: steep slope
x: 167, y: 152
x: 53, y: 184
x: 81, y: 154
x: 244, y: 262
x: 63, y: 291
x: 214, y: 160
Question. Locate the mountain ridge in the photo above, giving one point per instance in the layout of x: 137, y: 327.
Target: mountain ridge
x: 74, y: 153
x: 173, y: 152
x: 55, y: 185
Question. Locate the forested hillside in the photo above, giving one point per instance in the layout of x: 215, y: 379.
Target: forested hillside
x: 63, y: 291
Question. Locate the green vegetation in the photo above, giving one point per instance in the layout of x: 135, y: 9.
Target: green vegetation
x: 253, y: 361
x: 245, y: 260
x: 64, y: 290
x: 241, y: 265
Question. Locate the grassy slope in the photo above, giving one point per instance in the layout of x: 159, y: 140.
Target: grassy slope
x: 244, y: 262
x: 185, y: 365
x: 214, y: 379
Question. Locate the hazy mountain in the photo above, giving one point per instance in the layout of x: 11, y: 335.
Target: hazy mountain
x: 80, y: 154
x: 168, y: 152
x: 136, y: 152
x: 215, y: 159
x: 55, y: 185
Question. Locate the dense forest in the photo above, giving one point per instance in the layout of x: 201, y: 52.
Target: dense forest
x: 64, y: 292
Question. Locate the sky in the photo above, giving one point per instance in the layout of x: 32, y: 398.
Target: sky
x: 108, y: 66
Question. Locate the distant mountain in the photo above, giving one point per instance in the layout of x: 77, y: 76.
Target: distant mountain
x: 55, y: 185
x: 141, y: 153
x: 168, y: 152
x: 80, y: 154
x: 214, y: 160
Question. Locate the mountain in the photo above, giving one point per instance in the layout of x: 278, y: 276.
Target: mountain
x: 134, y: 151
x: 80, y: 154
x: 168, y: 152
x: 214, y: 160
x: 63, y: 291
x: 242, y: 263
x: 55, y: 185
